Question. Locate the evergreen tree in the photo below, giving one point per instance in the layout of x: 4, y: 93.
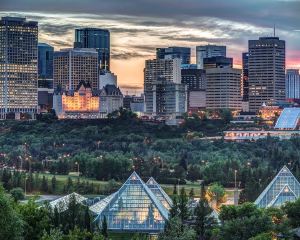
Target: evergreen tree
x: 204, y: 221
x: 87, y: 219
x: 175, y: 208
x: 192, y: 193
x: 53, y: 184
x: 175, y: 189
x: 44, y: 186
x: 183, y: 205
x: 104, y: 228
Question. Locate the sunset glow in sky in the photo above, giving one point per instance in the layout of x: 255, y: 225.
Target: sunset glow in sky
x: 138, y: 27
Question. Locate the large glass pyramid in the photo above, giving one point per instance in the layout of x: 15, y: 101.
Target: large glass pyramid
x: 284, y: 187
x: 132, y: 208
x: 159, y: 193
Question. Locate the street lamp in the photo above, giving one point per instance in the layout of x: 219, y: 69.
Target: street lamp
x: 77, y: 168
x: 235, y: 172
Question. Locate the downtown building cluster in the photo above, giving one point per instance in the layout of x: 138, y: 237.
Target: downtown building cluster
x: 77, y: 82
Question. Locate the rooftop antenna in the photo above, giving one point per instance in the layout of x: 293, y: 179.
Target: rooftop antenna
x: 274, y: 30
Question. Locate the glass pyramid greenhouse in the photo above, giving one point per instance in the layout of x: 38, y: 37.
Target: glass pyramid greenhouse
x: 133, y: 208
x: 284, y: 187
x: 159, y: 193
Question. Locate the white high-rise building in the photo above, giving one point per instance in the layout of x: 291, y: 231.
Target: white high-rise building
x: 208, y: 51
x: 169, y: 69
x: 292, y: 81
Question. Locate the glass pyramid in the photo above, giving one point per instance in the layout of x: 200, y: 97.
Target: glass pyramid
x: 284, y: 187
x: 133, y: 208
x: 159, y: 193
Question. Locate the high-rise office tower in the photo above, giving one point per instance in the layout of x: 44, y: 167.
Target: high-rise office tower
x: 217, y: 62
x: 195, y: 80
x: 18, y: 67
x: 183, y: 53
x: 223, y: 88
x: 45, y: 76
x: 208, y: 51
x: 292, y: 84
x: 266, y: 72
x: 95, y: 38
x: 45, y: 61
x: 71, y: 66
x: 164, y: 93
x: 157, y: 68
x: 245, y: 77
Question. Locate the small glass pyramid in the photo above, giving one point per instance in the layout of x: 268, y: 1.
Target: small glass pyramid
x: 284, y: 187
x: 159, y: 193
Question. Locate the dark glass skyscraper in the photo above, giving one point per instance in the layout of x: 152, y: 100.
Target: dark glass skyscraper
x: 45, y: 61
x: 18, y: 67
x: 183, y: 53
x: 245, y: 82
x: 98, y: 39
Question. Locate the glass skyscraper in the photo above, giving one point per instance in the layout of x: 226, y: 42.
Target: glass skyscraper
x: 98, y: 39
x: 208, y: 51
x: 18, y: 67
x: 183, y: 53
x: 45, y: 65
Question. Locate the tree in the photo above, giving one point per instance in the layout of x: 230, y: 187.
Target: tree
x: 192, y: 193
x: 292, y: 210
x: 216, y: 192
x: 263, y: 236
x: 243, y: 222
x: 11, y: 225
x: 36, y: 220
x: 44, y: 186
x: 54, y: 234
x: 104, y: 228
x: 174, y: 211
x: 174, y: 230
x: 205, y: 223
x: 183, y: 205
x: 53, y: 184
x: 17, y: 194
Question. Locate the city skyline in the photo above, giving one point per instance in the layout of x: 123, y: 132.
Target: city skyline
x: 138, y: 29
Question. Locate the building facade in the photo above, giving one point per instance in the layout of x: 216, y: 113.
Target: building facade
x: 208, y: 51
x: 223, y: 88
x: 166, y: 98
x: 18, y: 68
x: 111, y: 99
x: 182, y: 53
x: 77, y: 104
x: 45, y: 77
x: 195, y: 80
x: 292, y: 84
x: 217, y: 62
x: 71, y: 66
x: 266, y: 71
x: 107, y: 78
x: 245, y: 77
x: 98, y: 39
x: 169, y: 69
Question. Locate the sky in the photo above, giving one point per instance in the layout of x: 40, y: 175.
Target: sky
x: 138, y: 27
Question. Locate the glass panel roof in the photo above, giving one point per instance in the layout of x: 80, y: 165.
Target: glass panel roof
x: 284, y: 187
x: 62, y: 203
x: 133, y: 207
x: 159, y: 193
x: 288, y: 119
